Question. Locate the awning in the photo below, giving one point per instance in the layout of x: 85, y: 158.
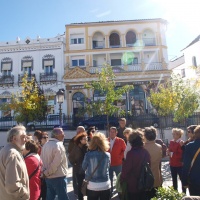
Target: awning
x: 27, y: 64
x: 6, y: 66
x: 48, y: 63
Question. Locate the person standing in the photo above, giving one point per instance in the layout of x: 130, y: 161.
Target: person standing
x: 155, y: 152
x: 175, y: 153
x: 117, y: 148
x: 97, y: 158
x: 190, y: 174
x: 14, y: 180
x: 76, y: 158
x: 79, y: 129
x: 132, y: 165
x: 34, y: 165
x: 55, y: 166
x: 122, y: 127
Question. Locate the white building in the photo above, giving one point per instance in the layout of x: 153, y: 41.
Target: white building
x: 40, y: 58
x: 188, y: 64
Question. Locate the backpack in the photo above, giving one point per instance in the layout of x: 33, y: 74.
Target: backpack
x: 146, y: 178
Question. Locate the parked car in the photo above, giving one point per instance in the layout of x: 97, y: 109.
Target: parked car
x: 51, y: 121
x: 7, y: 123
x: 99, y: 121
x: 143, y: 120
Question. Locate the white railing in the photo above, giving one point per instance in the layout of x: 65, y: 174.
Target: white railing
x: 153, y: 66
x: 134, y: 68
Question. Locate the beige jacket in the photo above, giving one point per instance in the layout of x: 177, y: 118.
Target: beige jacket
x: 54, y: 159
x: 14, y: 180
x: 155, y: 151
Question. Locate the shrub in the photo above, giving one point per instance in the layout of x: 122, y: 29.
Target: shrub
x: 168, y: 194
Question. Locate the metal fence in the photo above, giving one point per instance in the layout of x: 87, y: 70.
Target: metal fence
x: 134, y: 121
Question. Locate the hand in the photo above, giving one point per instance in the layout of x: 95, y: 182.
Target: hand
x: 181, y: 143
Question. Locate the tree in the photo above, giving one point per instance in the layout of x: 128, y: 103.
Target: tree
x: 177, y: 96
x: 107, y: 87
x: 30, y: 104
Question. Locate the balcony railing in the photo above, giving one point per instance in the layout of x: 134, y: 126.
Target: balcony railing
x: 21, y: 76
x: 129, y: 68
x: 98, y: 44
x: 46, y: 78
x: 149, y: 41
x: 153, y: 66
x: 7, y: 80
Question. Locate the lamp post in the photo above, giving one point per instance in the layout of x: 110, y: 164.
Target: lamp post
x: 60, y: 100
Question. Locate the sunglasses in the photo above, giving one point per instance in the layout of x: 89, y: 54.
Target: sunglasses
x: 45, y: 137
x: 93, y: 131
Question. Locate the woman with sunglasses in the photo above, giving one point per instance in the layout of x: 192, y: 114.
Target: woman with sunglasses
x: 76, y: 157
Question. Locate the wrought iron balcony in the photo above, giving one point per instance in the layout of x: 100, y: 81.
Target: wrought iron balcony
x: 6, y: 80
x: 21, y: 76
x: 48, y: 78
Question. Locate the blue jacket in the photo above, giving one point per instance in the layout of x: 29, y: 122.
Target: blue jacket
x: 194, y: 175
x: 91, y: 160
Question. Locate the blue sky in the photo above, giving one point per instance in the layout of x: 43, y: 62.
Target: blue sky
x: 47, y: 18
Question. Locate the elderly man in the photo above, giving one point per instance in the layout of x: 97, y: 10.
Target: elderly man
x: 55, y: 166
x: 14, y: 180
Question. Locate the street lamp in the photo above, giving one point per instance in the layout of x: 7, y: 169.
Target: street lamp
x: 60, y: 100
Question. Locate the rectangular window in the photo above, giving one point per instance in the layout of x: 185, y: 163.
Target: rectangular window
x: 182, y: 73
x: 115, y: 62
x: 6, y: 72
x: 74, y: 41
x: 135, y: 61
x: 81, y: 62
x: 80, y: 40
x: 74, y: 63
x: 27, y: 70
x: 49, y: 69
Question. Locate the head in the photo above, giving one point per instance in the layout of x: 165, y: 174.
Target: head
x: 177, y: 133
x: 29, y: 137
x: 43, y: 138
x: 99, y: 142
x: 58, y: 134
x: 197, y: 132
x: 127, y: 132
x: 190, y: 131
x: 150, y: 133
x: 122, y: 122
x: 36, y: 135
x: 81, y: 139
x: 17, y: 136
x: 30, y: 147
x: 91, y: 130
x: 136, y: 138
x: 80, y: 129
x: 113, y: 132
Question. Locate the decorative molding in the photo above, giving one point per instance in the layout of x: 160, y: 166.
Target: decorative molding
x: 77, y: 72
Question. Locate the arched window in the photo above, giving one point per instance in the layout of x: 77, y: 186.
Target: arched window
x: 48, y: 63
x: 114, y: 40
x: 130, y: 38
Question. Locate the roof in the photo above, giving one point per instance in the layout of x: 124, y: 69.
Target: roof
x: 118, y: 21
x: 193, y: 42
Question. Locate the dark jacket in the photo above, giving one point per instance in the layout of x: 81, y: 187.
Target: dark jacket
x: 120, y: 133
x: 194, y: 176
x: 71, y: 145
x: 76, y: 157
x: 132, y: 165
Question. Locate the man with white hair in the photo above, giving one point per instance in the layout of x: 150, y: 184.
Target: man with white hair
x: 55, y: 166
x: 14, y: 180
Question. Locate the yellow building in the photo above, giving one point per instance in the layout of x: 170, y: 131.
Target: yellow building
x: 136, y: 50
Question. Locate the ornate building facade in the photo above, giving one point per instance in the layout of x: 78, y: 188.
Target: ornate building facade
x: 136, y: 50
x: 42, y: 59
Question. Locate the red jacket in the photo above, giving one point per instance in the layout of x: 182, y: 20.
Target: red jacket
x: 176, y: 154
x: 34, y: 182
x: 117, y: 153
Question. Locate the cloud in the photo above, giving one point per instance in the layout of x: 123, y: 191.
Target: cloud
x: 103, y: 14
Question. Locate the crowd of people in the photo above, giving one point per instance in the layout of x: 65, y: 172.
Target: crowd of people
x: 35, y: 167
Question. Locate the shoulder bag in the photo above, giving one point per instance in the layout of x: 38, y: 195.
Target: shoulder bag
x: 85, y: 182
